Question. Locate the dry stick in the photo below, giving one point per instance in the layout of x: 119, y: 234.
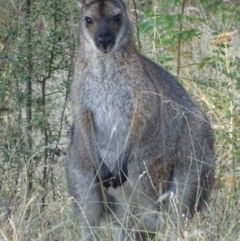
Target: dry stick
x: 71, y: 46
x: 46, y: 169
x: 231, y: 109
x: 29, y: 97
x: 44, y: 181
x: 136, y: 17
x: 58, y: 140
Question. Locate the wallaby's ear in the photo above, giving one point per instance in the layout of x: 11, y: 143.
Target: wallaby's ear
x: 125, y: 2
x: 80, y: 3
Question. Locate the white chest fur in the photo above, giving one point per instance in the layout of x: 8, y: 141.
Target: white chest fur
x: 109, y: 99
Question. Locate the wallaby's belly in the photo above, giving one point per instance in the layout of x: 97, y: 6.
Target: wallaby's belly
x: 136, y: 198
x: 111, y: 134
x: 112, y: 110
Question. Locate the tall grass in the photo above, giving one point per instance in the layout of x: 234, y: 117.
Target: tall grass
x: 198, y: 41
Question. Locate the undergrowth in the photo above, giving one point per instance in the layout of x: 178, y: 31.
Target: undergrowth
x: 197, y: 41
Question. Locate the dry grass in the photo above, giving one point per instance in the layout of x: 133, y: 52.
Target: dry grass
x: 23, y: 218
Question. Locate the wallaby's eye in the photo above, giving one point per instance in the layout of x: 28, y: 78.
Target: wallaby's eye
x: 88, y: 20
x: 118, y: 18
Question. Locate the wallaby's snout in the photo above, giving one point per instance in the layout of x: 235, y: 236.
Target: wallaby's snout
x: 105, y: 39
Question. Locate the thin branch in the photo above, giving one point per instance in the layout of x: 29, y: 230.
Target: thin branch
x: 137, y: 27
x: 179, y: 41
x: 29, y: 94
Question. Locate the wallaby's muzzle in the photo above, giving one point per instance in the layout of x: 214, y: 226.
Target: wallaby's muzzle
x: 105, y: 38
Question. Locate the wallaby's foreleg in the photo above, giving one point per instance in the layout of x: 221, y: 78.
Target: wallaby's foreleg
x: 86, y: 194
x: 103, y: 175
x: 83, y: 129
x: 86, y: 173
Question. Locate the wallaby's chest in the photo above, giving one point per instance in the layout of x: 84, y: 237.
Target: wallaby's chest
x: 108, y: 95
x: 110, y: 100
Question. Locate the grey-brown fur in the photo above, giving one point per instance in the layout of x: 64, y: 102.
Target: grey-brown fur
x: 140, y: 147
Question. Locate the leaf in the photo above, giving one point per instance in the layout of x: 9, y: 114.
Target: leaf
x: 224, y: 18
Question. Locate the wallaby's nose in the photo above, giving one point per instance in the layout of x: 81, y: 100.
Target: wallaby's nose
x: 105, y: 37
x: 104, y: 40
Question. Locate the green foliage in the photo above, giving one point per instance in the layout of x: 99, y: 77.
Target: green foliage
x: 174, y: 26
x: 36, y: 69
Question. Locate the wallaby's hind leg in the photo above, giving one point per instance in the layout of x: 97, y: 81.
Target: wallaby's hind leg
x: 88, y: 203
x: 123, y: 235
x: 138, y: 218
x: 144, y: 236
x: 192, y: 183
x: 125, y: 228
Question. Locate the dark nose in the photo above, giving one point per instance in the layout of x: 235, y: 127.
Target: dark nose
x: 104, y: 40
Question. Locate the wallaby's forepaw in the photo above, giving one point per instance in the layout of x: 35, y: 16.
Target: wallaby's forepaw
x: 104, y: 176
x: 119, y: 177
x: 107, y: 181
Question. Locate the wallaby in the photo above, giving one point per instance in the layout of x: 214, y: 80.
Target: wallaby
x: 141, y: 151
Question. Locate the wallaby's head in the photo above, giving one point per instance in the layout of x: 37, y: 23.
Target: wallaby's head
x: 104, y: 24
